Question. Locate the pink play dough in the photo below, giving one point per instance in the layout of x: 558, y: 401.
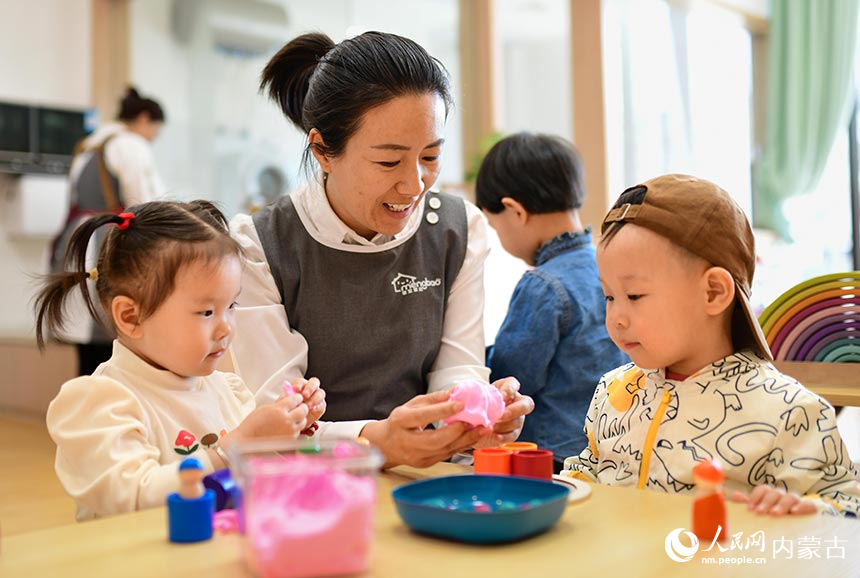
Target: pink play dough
x: 305, y: 517
x: 484, y: 403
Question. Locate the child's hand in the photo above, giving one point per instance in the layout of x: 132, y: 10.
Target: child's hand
x: 766, y: 499
x: 286, y: 417
x: 312, y: 394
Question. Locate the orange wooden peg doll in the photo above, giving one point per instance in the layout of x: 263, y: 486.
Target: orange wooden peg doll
x: 709, y: 505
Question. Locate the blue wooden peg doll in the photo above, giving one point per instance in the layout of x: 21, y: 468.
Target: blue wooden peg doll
x: 190, y: 510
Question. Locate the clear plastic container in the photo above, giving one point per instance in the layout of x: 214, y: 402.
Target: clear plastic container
x: 308, y: 507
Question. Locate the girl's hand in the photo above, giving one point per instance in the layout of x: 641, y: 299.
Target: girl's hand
x: 517, y: 406
x: 312, y: 395
x: 766, y: 499
x: 286, y: 417
x: 404, y: 438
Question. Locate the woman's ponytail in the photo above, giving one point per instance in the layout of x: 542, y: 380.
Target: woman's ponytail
x: 133, y: 105
x: 287, y: 76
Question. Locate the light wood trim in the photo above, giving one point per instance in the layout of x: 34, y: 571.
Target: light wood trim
x: 589, y: 123
x: 838, y: 383
x: 31, y: 379
x: 477, y: 72
x: 759, y: 45
x: 755, y: 22
x: 110, y: 56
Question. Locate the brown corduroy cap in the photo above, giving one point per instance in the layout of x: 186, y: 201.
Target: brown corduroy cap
x: 704, y: 219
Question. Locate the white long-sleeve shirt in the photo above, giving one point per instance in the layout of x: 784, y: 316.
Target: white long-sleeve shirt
x: 266, y: 351
x: 128, y: 157
x: 122, y: 432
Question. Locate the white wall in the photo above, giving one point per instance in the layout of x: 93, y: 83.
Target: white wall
x: 216, y: 122
x: 160, y: 67
x: 46, y: 51
x: 533, y: 98
x: 45, y: 48
x: 220, y: 131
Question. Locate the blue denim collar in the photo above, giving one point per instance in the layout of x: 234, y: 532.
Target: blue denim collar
x: 562, y: 244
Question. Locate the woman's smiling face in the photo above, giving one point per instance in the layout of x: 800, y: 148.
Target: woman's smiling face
x: 388, y: 165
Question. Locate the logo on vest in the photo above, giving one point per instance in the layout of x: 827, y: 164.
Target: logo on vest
x: 406, y: 284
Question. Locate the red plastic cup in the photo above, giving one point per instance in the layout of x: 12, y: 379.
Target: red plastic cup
x: 532, y: 464
x: 492, y: 461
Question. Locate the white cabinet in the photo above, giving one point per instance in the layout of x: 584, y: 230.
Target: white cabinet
x: 35, y: 205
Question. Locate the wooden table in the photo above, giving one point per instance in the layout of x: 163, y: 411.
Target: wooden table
x: 615, y: 532
x: 838, y: 383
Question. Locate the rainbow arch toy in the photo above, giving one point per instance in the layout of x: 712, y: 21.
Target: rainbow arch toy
x: 816, y: 320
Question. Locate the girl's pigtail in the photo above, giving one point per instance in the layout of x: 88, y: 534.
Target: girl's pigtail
x: 50, y: 300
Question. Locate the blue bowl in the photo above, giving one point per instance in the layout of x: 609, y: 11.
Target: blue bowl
x: 480, y: 509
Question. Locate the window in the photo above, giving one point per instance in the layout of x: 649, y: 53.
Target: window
x: 531, y: 97
x: 678, y: 84
x: 820, y: 229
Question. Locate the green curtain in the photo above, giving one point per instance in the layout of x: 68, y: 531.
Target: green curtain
x: 810, y: 88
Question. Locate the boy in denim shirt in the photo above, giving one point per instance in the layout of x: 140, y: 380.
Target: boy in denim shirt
x: 676, y: 263
x: 553, y: 338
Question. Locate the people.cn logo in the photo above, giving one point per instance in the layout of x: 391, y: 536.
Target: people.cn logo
x: 676, y: 550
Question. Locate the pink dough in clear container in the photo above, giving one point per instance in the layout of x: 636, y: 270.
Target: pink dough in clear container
x: 308, y: 507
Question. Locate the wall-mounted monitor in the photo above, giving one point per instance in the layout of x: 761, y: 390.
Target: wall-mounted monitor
x: 59, y: 131
x: 40, y: 139
x: 16, y: 133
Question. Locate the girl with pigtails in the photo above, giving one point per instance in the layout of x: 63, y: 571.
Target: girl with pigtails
x: 167, y: 278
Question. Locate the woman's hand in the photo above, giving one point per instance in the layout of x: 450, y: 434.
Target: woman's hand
x: 517, y: 406
x: 404, y: 438
x: 766, y: 499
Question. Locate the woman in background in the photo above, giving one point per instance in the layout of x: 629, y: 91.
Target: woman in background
x: 113, y: 168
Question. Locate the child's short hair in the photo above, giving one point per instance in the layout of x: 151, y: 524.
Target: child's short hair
x: 139, y: 258
x: 541, y: 172
x: 702, y: 218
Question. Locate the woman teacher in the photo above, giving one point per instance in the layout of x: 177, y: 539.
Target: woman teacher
x: 363, y: 278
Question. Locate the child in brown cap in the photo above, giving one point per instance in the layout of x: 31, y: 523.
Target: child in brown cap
x: 676, y: 263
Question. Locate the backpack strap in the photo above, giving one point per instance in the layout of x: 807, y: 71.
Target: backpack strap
x: 108, y: 191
